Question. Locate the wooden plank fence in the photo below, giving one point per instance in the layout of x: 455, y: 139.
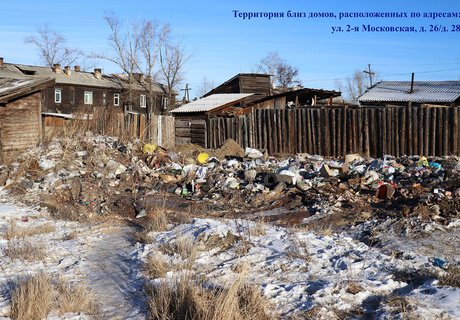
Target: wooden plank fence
x: 335, y: 131
x: 156, y: 129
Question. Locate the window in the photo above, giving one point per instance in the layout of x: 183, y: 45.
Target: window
x: 116, y: 99
x: 104, y: 99
x: 88, y: 97
x: 164, y: 103
x: 143, y: 101
x: 57, y: 95
x: 72, y: 97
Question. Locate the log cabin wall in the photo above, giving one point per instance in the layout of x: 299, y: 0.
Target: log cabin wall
x: 191, y: 128
x: 20, y: 124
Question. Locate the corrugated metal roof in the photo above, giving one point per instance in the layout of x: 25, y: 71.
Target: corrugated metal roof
x: 211, y: 102
x: 424, y: 92
x: 83, y: 78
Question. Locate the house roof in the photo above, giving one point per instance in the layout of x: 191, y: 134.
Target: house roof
x: 320, y: 93
x: 263, y: 75
x: 12, y: 88
x: 424, y: 92
x: 212, y: 102
x: 83, y: 78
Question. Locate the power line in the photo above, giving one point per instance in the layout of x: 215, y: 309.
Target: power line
x: 384, y: 74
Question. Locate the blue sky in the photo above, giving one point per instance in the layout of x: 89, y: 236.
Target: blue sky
x: 222, y: 45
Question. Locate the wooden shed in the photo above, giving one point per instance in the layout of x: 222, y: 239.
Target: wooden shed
x: 297, y: 98
x: 20, y: 114
x: 191, y: 118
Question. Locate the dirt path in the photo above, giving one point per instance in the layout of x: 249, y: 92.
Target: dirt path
x: 112, y: 269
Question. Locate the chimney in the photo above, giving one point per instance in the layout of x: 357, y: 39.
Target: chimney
x: 67, y: 70
x: 137, y: 77
x: 76, y: 68
x: 412, y: 84
x: 98, y: 73
x: 1, y: 62
x: 148, y: 79
x: 57, y: 68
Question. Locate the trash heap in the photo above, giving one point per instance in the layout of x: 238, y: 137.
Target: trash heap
x: 98, y: 175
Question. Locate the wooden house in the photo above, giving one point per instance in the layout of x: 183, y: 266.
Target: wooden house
x: 257, y: 84
x: 20, y: 114
x: 80, y: 91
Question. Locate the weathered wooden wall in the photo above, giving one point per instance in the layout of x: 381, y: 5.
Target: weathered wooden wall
x: 20, y: 124
x: 336, y: 131
x: 258, y: 84
x: 191, y: 129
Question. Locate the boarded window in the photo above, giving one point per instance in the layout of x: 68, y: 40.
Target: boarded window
x: 57, y: 96
x: 164, y: 103
x: 88, y: 97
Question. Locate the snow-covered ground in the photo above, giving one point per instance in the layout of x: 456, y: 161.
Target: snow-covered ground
x: 299, y: 270
x: 98, y: 255
x: 327, y: 275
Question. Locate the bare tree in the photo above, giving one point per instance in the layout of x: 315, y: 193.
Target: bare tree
x: 52, y: 49
x: 152, y: 37
x: 145, y: 48
x: 172, y: 60
x: 353, y: 87
x: 205, y: 86
x: 284, y: 75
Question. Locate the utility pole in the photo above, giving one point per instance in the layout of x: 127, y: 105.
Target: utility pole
x: 370, y: 73
x: 186, y: 95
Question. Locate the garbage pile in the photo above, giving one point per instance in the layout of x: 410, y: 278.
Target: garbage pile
x: 98, y: 175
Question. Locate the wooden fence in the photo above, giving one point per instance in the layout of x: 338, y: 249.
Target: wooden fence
x: 335, y: 131
x: 156, y: 129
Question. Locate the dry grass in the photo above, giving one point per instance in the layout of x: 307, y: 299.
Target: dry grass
x: 183, y: 247
x: 24, y: 249
x: 35, y: 297
x: 14, y: 231
x: 401, y: 306
x: 74, y: 299
x: 299, y: 250
x: 69, y: 236
x: 189, y: 299
x: 156, y: 267
x: 142, y: 236
x: 32, y: 298
x: 158, y: 220
x: 259, y: 229
x: 451, y: 278
x: 242, y: 248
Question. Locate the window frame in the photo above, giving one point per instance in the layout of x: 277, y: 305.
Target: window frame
x: 164, y: 103
x: 143, y: 101
x: 116, y: 99
x: 57, y: 92
x: 88, y: 98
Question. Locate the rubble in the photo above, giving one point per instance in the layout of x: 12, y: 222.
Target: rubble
x: 98, y: 175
